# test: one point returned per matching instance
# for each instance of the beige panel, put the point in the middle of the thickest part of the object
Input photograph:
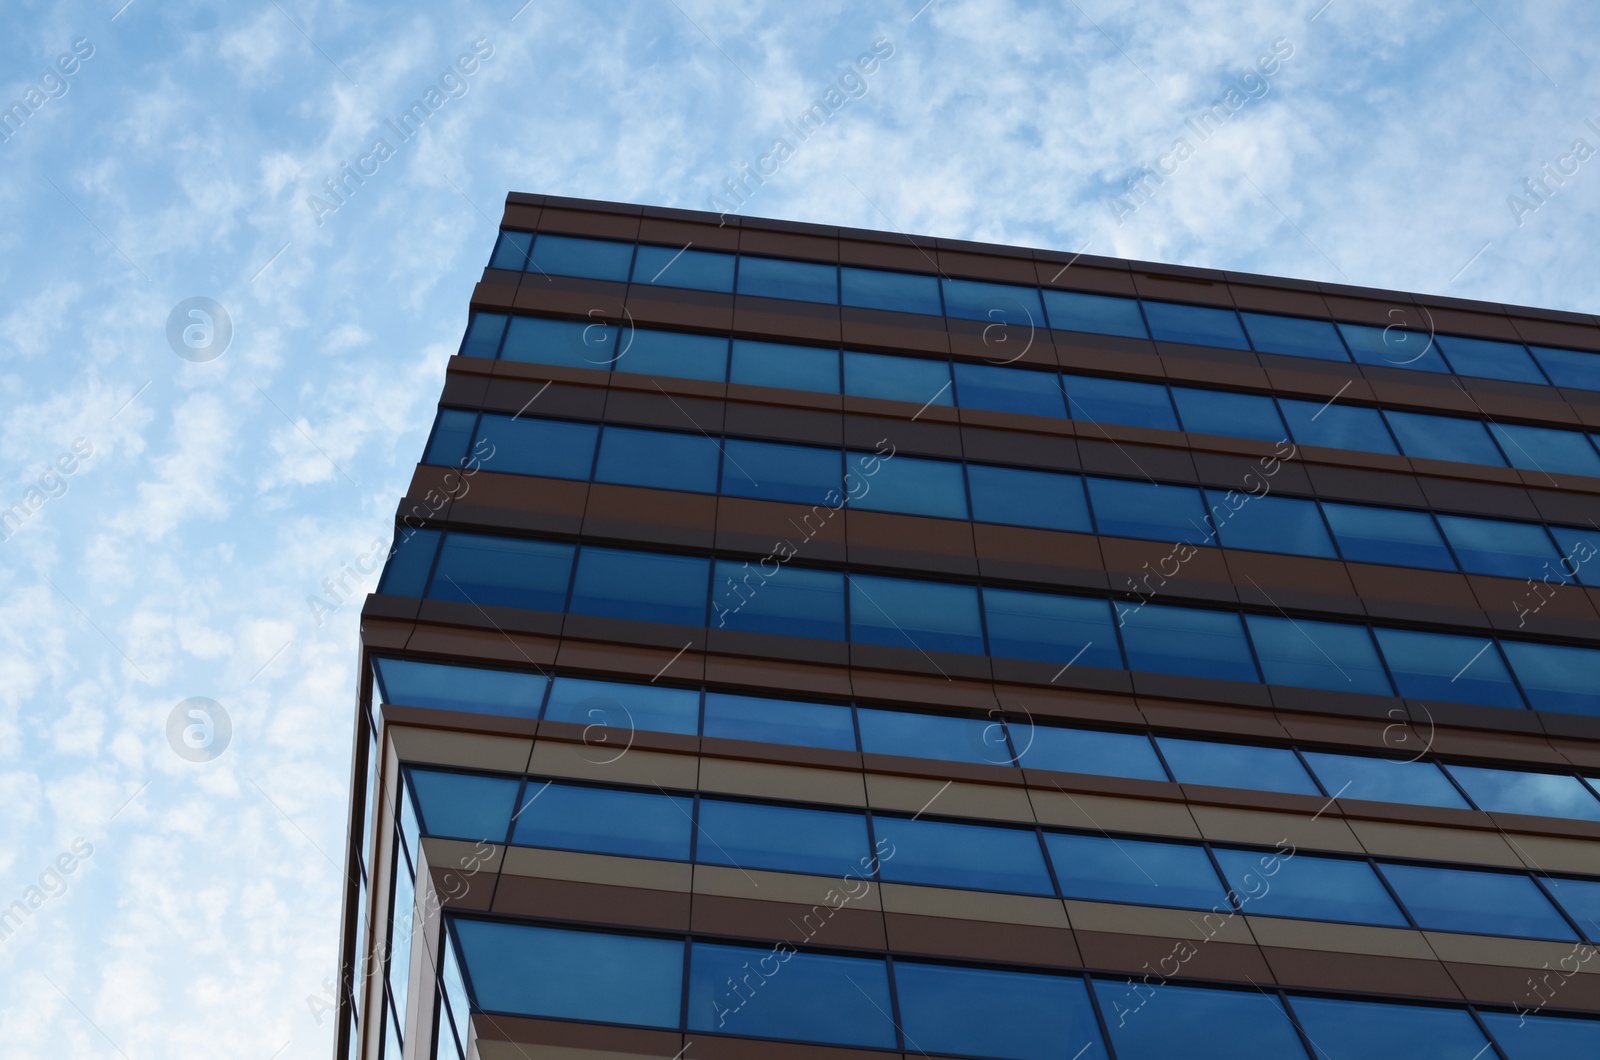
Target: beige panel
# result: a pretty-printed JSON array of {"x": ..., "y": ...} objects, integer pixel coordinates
[
  {"x": 785, "y": 887},
  {"x": 1465, "y": 846},
  {"x": 471, "y": 750},
  {"x": 607, "y": 766},
  {"x": 773, "y": 781},
  {"x": 1512, "y": 953},
  {"x": 1111, "y": 814},
  {"x": 974, "y": 905},
  {"x": 1339, "y": 938},
  {"x": 598, "y": 868},
  {"x": 1192, "y": 924},
  {"x": 1554, "y": 854},
  {"x": 458, "y": 855},
  {"x": 949, "y": 798},
  {"x": 1300, "y": 830}
]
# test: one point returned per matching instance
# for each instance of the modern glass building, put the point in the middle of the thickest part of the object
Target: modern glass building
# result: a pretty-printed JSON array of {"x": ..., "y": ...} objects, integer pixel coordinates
[{"x": 813, "y": 643}]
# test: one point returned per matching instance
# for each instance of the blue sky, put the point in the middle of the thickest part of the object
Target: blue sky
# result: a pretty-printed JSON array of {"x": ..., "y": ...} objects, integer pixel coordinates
[{"x": 178, "y": 514}]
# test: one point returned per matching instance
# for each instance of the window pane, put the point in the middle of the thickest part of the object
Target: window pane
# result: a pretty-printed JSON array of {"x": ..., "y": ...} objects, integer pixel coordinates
[
  {"x": 483, "y": 335},
  {"x": 674, "y": 353},
  {"x": 1270, "y": 524},
  {"x": 512, "y": 251},
  {"x": 583, "y": 975},
  {"x": 1294, "y": 336},
  {"x": 1130, "y": 870},
  {"x": 410, "y": 559},
  {"x": 1525, "y": 1037},
  {"x": 781, "y": 365},
  {"x": 1388, "y": 535},
  {"x": 1049, "y": 628},
  {"x": 502, "y": 571},
  {"x": 1570, "y": 368},
  {"x": 800, "y": 280},
  {"x": 1198, "y": 325},
  {"x": 593, "y": 259},
  {"x": 898, "y": 732},
  {"x": 699, "y": 270},
  {"x": 453, "y": 988},
  {"x": 982, "y": 1012},
  {"x": 1124, "y": 508},
  {"x": 731, "y": 717},
  {"x": 619, "y": 705},
  {"x": 1043, "y": 499},
  {"x": 1439, "y": 666},
  {"x": 451, "y": 438},
  {"x": 1234, "y": 765},
  {"x": 1384, "y": 780},
  {"x": 1488, "y": 359},
  {"x": 1558, "y": 678},
  {"x": 902, "y": 613},
  {"x": 976, "y": 857},
  {"x": 781, "y": 838},
  {"x": 1444, "y": 438},
  {"x": 903, "y": 292},
  {"x": 1336, "y": 426},
  {"x": 645, "y": 586},
  {"x": 1493, "y": 903},
  {"x": 1518, "y": 791},
  {"x": 1304, "y": 885},
  {"x": 1497, "y": 546},
  {"x": 1186, "y": 641},
  {"x": 568, "y": 343},
  {"x": 790, "y": 602},
  {"x": 1355, "y": 1030},
  {"x": 999, "y": 302},
  {"x": 1581, "y": 900},
  {"x": 462, "y": 806},
  {"x": 526, "y": 446},
  {"x": 773, "y": 472},
  {"x": 1393, "y": 347},
  {"x": 1119, "y": 401},
  {"x": 1105, "y": 754},
  {"x": 1101, "y": 314},
  {"x": 985, "y": 386},
  {"x": 639, "y": 824},
  {"x": 1338, "y": 656},
  {"x": 660, "y": 459},
  {"x": 815, "y": 997},
  {"x": 401, "y": 930},
  {"x": 1230, "y": 415},
  {"x": 1196, "y": 1023},
  {"x": 908, "y": 484},
  {"x": 1578, "y": 551},
  {"x": 914, "y": 379},
  {"x": 1546, "y": 449},
  {"x": 441, "y": 687}
]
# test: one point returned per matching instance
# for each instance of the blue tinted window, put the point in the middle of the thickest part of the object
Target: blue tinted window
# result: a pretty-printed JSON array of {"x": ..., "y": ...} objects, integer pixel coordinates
[
  {"x": 985, "y": 386},
  {"x": 512, "y": 251},
  {"x": 645, "y": 586},
  {"x": 999, "y": 302},
  {"x": 1556, "y": 677},
  {"x": 1231, "y": 415},
  {"x": 568, "y": 343},
  {"x": 620, "y": 705},
  {"x": 982, "y": 1012},
  {"x": 782, "y": 365},
  {"x": 452, "y": 437},
  {"x": 898, "y": 732},
  {"x": 1387, "y": 535},
  {"x": 975, "y": 857},
  {"x": 1440, "y": 666},
  {"x": 790, "y": 601},
  {"x": 1186, "y": 641},
  {"x": 1488, "y": 359},
  {"x": 1393, "y": 347},
  {"x": 900, "y": 291},
  {"x": 808, "y": 996},
  {"x": 1444, "y": 438},
  {"x": 526, "y": 446},
  {"x": 661, "y": 459},
  {"x": 441, "y": 687},
  {"x": 771, "y": 471},
  {"x": 930, "y": 616},
  {"x": 675, "y": 353},
  {"x": 1099, "y": 313},
  {"x": 401, "y": 930},
  {"x": 1356, "y": 1030},
  {"x": 1496, "y": 546},
  {"x": 1146, "y": 509},
  {"x": 800, "y": 280},
  {"x": 1196, "y": 1023},
  {"x": 1518, "y": 791},
  {"x": 1131, "y": 870},
  {"x": 1119, "y": 401},
  {"x": 1546, "y": 449},
  {"x": 1581, "y": 900},
  {"x": 410, "y": 558},
  {"x": 1105, "y": 754},
  {"x": 638, "y": 824},
  {"x": 1303, "y": 885},
  {"x": 781, "y": 838},
  {"x": 1294, "y": 336},
  {"x": 1538, "y": 1037},
  {"x": 1332, "y": 655},
  {"x": 502, "y": 571},
  {"x": 1197, "y": 325},
  {"x": 1578, "y": 551},
  {"x": 731, "y": 717},
  {"x": 909, "y": 484},
  {"x": 1028, "y": 498},
  {"x": 1049, "y": 628},
  {"x": 1385, "y": 780},
  {"x": 914, "y": 379},
  {"x": 483, "y": 335},
  {"x": 1233, "y": 765},
  {"x": 700, "y": 270},
  {"x": 1336, "y": 426},
  {"x": 453, "y": 988},
  {"x": 1491, "y": 903},
  {"x": 593, "y": 259},
  {"x": 462, "y": 806},
  {"x": 1569, "y": 368},
  {"x": 1270, "y": 524},
  {"x": 583, "y": 975}
]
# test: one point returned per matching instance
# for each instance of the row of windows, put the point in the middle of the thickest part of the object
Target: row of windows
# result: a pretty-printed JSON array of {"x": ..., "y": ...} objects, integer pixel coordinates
[
  {"x": 928, "y": 381},
  {"x": 956, "y": 1010},
  {"x": 994, "y": 739},
  {"x": 928, "y": 616},
  {"x": 1063, "y": 310},
  {"x": 1008, "y": 859},
  {"x": 1050, "y": 500}
]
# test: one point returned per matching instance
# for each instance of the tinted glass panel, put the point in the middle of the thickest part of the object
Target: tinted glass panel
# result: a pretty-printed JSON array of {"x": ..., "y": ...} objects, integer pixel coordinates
[
  {"x": 657, "y": 708},
  {"x": 776, "y": 278},
  {"x": 1384, "y": 780},
  {"x": 1131, "y": 870},
  {"x": 914, "y": 379},
  {"x": 420, "y": 684},
  {"x": 773, "y": 472},
  {"x": 911, "y": 485},
  {"x": 1578, "y": 551},
  {"x": 788, "y": 601},
  {"x": 1198, "y": 325},
  {"x": 895, "y": 732},
  {"x": 671, "y": 267},
  {"x": 1444, "y": 438},
  {"x": 502, "y": 572},
  {"x": 732, "y": 717},
  {"x": 1546, "y": 449},
  {"x": 1496, "y": 546},
  {"x": 1196, "y": 1024},
  {"x": 1393, "y": 347},
  {"x": 970, "y": 856},
  {"x": 410, "y": 559},
  {"x": 791, "y": 367},
  {"x": 645, "y": 586},
  {"x": 1357, "y": 1030},
  {"x": 1048, "y": 628},
  {"x": 1294, "y": 336},
  {"x": 984, "y": 386},
  {"x": 452, "y": 437},
  {"x": 1490, "y": 360},
  {"x": 1106, "y": 754},
  {"x": 982, "y": 1012},
  {"x": 788, "y": 995},
  {"x": 999, "y": 302},
  {"x": 525, "y": 446},
  {"x": 1123, "y": 508},
  {"x": 1336, "y": 426},
  {"x": 1525, "y": 1037},
  {"x": 462, "y": 806},
  {"x": 1572, "y": 368},
  {"x": 922, "y": 615},
  {"x": 1581, "y": 900},
  {"x": 512, "y": 251},
  {"x": 1230, "y": 765},
  {"x": 660, "y": 459},
  {"x": 1099, "y": 313},
  {"x": 1231, "y": 415},
  {"x": 603, "y": 821},
  {"x": 781, "y": 838},
  {"x": 1333, "y": 655},
  {"x": 483, "y": 335},
  {"x": 1028, "y": 498},
  {"x": 568, "y": 343},
  {"x": 1119, "y": 401},
  {"x": 673, "y": 353},
  {"x": 1270, "y": 524},
  {"x": 1489, "y": 903},
  {"x": 900, "y": 291},
  {"x": 1517, "y": 791},
  {"x": 1193, "y": 643},
  {"x": 1302, "y": 885},
  {"x": 591, "y": 258},
  {"x": 1439, "y": 666},
  {"x": 1556, "y": 677},
  {"x": 1388, "y": 535}
]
